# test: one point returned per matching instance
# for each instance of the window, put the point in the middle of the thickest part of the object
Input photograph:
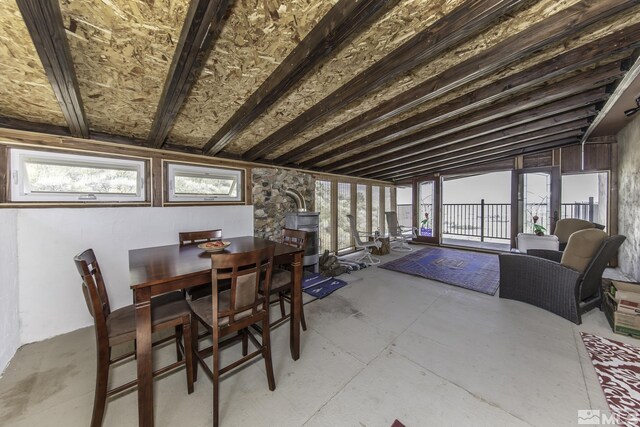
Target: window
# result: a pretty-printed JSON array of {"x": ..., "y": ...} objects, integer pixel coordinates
[
  {"x": 375, "y": 208},
  {"x": 40, "y": 176},
  {"x": 344, "y": 209},
  {"x": 404, "y": 206},
  {"x": 203, "y": 184},
  {"x": 323, "y": 206},
  {"x": 361, "y": 207}
]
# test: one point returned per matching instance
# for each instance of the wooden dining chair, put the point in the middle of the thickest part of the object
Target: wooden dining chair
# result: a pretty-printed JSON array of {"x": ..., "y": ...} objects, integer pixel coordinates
[
  {"x": 230, "y": 313},
  {"x": 169, "y": 311},
  {"x": 193, "y": 237},
  {"x": 282, "y": 280}
]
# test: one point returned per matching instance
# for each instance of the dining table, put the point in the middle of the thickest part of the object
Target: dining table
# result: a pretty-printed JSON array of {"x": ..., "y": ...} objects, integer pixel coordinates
[{"x": 157, "y": 270}]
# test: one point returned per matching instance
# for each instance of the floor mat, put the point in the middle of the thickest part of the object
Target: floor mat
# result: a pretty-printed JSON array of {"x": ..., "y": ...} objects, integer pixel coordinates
[
  {"x": 618, "y": 368},
  {"x": 471, "y": 270},
  {"x": 320, "y": 286}
]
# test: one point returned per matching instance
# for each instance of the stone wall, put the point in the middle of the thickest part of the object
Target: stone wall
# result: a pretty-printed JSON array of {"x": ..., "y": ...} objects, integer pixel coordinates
[
  {"x": 270, "y": 203},
  {"x": 629, "y": 197}
]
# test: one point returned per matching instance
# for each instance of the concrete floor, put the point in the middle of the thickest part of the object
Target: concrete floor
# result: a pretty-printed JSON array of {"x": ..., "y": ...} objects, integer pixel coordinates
[{"x": 389, "y": 346}]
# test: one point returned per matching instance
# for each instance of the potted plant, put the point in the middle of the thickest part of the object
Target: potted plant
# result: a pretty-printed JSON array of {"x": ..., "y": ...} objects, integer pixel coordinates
[{"x": 425, "y": 229}]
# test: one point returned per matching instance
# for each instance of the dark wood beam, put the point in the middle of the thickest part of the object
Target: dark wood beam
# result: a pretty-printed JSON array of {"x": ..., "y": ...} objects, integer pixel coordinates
[
  {"x": 44, "y": 22},
  {"x": 608, "y": 47},
  {"x": 481, "y": 145},
  {"x": 452, "y": 144},
  {"x": 550, "y": 93},
  {"x": 345, "y": 19},
  {"x": 549, "y": 31},
  {"x": 201, "y": 28},
  {"x": 466, "y": 21},
  {"x": 531, "y": 148}
]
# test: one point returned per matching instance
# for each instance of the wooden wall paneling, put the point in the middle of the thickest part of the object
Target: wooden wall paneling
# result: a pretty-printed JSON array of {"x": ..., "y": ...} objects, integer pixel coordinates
[
  {"x": 469, "y": 19},
  {"x": 158, "y": 178},
  {"x": 563, "y": 24},
  {"x": 46, "y": 27},
  {"x": 248, "y": 187},
  {"x": 537, "y": 160},
  {"x": 345, "y": 19},
  {"x": 597, "y": 157},
  {"x": 199, "y": 33}
]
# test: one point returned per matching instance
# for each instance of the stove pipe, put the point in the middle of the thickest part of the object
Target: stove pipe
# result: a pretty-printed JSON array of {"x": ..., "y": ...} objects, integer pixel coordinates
[{"x": 301, "y": 205}]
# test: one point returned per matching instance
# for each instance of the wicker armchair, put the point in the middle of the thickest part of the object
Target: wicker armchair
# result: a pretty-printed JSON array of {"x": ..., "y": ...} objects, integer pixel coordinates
[{"x": 539, "y": 278}]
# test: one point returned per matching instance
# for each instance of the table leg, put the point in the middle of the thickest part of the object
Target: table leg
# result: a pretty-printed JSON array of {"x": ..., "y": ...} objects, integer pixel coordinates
[
  {"x": 144, "y": 356},
  {"x": 296, "y": 295}
]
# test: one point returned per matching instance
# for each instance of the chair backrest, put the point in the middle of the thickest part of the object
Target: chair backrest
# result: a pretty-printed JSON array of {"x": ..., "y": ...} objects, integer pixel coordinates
[
  {"x": 592, "y": 280},
  {"x": 192, "y": 237},
  {"x": 295, "y": 238},
  {"x": 392, "y": 223},
  {"x": 94, "y": 290},
  {"x": 246, "y": 271},
  {"x": 567, "y": 226},
  {"x": 354, "y": 230}
]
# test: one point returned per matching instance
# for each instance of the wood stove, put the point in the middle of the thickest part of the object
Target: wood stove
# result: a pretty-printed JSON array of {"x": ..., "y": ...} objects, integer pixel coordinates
[{"x": 305, "y": 221}]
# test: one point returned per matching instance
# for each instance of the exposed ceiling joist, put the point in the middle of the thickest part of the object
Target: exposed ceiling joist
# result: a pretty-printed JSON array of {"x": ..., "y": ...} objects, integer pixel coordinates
[
  {"x": 199, "y": 33},
  {"x": 344, "y": 20},
  {"x": 608, "y": 47},
  {"x": 406, "y": 146},
  {"x": 44, "y": 22},
  {"x": 527, "y": 148},
  {"x": 451, "y": 145},
  {"x": 557, "y": 27},
  {"x": 469, "y": 19}
]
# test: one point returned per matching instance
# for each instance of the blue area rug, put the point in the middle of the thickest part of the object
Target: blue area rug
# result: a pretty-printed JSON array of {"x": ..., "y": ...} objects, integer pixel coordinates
[
  {"x": 471, "y": 270},
  {"x": 320, "y": 286}
]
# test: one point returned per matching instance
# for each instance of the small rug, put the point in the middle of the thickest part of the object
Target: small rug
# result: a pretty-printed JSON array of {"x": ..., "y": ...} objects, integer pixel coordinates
[
  {"x": 397, "y": 423},
  {"x": 618, "y": 368},
  {"x": 471, "y": 270},
  {"x": 320, "y": 286}
]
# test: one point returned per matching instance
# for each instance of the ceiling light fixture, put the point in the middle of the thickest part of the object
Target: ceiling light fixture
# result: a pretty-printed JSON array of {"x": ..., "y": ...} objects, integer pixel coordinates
[{"x": 631, "y": 111}]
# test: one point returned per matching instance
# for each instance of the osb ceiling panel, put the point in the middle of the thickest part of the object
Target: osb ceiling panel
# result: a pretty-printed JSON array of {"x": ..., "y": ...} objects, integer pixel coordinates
[
  {"x": 491, "y": 37},
  {"x": 398, "y": 25},
  {"x": 257, "y": 37},
  {"x": 122, "y": 51},
  {"x": 594, "y": 32},
  {"x": 25, "y": 92}
]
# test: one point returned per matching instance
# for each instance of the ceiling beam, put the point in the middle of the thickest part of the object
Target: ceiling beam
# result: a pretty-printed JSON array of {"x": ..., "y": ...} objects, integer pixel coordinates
[
  {"x": 452, "y": 144},
  {"x": 203, "y": 23},
  {"x": 343, "y": 20},
  {"x": 484, "y": 145},
  {"x": 466, "y": 21},
  {"x": 621, "y": 88},
  {"x": 46, "y": 27},
  {"x": 561, "y": 25},
  {"x": 403, "y": 147},
  {"x": 530, "y": 148},
  {"x": 611, "y": 46}
]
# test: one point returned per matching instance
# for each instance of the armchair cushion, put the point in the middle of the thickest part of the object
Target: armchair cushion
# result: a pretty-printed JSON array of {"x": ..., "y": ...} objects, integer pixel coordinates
[
  {"x": 567, "y": 226},
  {"x": 581, "y": 248}
]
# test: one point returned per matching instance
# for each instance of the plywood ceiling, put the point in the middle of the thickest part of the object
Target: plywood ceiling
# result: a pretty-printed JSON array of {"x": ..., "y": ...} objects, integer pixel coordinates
[{"x": 385, "y": 89}]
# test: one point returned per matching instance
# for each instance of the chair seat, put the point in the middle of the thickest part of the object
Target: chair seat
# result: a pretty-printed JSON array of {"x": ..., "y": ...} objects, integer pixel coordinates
[
  {"x": 280, "y": 280},
  {"x": 204, "y": 310},
  {"x": 121, "y": 323}
]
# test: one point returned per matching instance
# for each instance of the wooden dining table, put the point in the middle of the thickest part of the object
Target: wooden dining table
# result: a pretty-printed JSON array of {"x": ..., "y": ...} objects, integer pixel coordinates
[{"x": 158, "y": 270}]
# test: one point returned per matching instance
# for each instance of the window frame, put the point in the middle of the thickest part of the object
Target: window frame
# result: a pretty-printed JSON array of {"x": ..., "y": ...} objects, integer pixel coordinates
[
  {"x": 18, "y": 158},
  {"x": 171, "y": 168}
]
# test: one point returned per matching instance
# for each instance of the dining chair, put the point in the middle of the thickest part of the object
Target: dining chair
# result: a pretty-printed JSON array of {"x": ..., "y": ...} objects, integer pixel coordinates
[
  {"x": 193, "y": 237},
  {"x": 112, "y": 328},
  {"x": 366, "y": 246},
  {"x": 282, "y": 280},
  {"x": 233, "y": 311}
]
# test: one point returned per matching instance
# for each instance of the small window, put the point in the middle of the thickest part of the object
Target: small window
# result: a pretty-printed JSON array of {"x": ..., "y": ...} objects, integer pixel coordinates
[
  {"x": 203, "y": 184},
  {"x": 40, "y": 176}
]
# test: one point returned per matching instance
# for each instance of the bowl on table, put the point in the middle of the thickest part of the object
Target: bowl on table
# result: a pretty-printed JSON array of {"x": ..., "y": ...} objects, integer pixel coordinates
[{"x": 217, "y": 246}]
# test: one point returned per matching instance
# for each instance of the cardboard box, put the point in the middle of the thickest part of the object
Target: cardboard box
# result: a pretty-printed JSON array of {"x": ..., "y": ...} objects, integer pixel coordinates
[{"x": 619, "y": 304}]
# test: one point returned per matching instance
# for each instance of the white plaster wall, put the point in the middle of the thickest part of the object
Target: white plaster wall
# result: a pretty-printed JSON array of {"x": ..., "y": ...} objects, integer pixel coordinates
[
  {"x": 9, "y": 320},
  {"x": 629, "y": 197},
  {"x": 51, "y": 300}
]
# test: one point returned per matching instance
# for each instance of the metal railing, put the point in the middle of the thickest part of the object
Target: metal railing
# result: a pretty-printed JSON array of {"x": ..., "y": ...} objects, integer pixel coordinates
[
  {"x": 482, "y": 220},
  {"x": 582, "y": 210}
]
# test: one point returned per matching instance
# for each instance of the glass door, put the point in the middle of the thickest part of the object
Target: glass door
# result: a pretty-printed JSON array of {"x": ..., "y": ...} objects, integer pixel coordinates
[
  {"x": 537, "y": 201},
  {"x": 427, "y": 221}
]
